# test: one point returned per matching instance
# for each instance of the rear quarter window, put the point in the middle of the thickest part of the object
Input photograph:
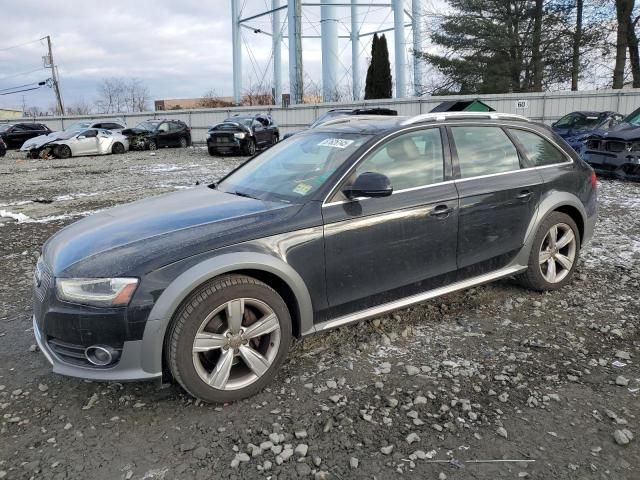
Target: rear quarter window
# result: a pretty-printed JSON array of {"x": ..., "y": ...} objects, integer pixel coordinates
[{"x": 538, "y": 149}]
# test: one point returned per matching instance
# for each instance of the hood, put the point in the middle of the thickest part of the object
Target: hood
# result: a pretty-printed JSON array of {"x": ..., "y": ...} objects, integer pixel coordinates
[
  {"x": 40, "y": 140},
  {"x": 622, "y": 131},
  {"x": 136, "y": 238},
  {"x": 135, "y": 131}
]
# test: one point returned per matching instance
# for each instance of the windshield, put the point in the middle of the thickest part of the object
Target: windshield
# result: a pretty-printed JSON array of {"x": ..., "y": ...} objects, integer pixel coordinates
[
  {"x": 242, "y": 121},
  {"x": 634, "y": 118},
  {"x": 66, "y": 135},
  {"x": 329, "y": 116},
  {"x": 293, "y": 169},
  {"x": 74, "y": 127},
  {"x": 150, "y": 126},
  {"x": 5, "y": 127}
]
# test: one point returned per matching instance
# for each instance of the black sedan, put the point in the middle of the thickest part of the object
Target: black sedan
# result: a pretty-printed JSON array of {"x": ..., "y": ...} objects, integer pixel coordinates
[
  {"x": 154, "y": 134},
  {"x": 243, "y": 134},
  {"x": 15, "y": 134}
]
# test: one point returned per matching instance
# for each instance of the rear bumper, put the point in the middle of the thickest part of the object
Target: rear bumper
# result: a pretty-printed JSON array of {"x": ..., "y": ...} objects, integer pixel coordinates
[
  {"x": 624, "y": 165},
  {"x": 128, "y": 368}
]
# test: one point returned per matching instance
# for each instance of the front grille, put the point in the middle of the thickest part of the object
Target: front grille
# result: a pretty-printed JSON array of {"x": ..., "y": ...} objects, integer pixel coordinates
[
  {"x": 223, "y": 138},
  {"x": 615, "y": 146}
]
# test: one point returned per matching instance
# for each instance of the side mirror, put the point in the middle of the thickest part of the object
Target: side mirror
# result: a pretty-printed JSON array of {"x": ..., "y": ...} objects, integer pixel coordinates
[{"x": 369, "y": 185}]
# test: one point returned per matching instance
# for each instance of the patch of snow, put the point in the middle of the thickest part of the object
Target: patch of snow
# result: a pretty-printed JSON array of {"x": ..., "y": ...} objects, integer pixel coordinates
[{"x": 19, "y": 217}]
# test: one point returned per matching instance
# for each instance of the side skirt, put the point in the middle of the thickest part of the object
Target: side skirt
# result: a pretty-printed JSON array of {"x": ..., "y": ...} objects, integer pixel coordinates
[{"x": 421, "y": 297}]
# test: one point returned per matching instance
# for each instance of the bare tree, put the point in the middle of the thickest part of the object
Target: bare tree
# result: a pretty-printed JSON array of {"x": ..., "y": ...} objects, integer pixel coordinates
[
  {"x": 118, "y": 95},
  {"x": 80, "y": 107},
  {"x": 624, "y": 9},
  {"x": 212, "y": 100},
  {"x": 257, "y": 95}
]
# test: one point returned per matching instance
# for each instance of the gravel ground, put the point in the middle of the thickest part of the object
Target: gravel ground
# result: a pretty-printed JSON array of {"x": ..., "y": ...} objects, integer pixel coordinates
[{"x": 493, "y": 382}]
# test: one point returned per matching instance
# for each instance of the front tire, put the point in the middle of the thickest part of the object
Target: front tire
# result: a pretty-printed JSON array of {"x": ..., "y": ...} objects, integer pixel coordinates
[
  {"x": 212, "y": 151},
  {"x": 554, "y": 254},
  {"x": 250, "y": 148},
  {"x": 63, "y": 151},
  {"x": 153, "y": 145},
  {"x": 228, "y": 339},
  {"x": 117, "y": 148}
]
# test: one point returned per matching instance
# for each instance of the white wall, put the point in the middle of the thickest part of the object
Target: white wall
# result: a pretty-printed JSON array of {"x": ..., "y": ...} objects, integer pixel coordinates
[{"x": 543, "y": 107}]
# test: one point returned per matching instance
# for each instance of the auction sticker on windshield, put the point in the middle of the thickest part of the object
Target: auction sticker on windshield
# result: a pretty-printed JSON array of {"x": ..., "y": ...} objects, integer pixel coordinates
[
  {"x": 302, "y": 189},
  {"x": 335, "y": 142}
]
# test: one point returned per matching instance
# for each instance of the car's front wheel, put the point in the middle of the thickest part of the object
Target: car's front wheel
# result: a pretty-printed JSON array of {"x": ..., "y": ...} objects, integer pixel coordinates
[
  {"x": 250, "y": 147},
  {"x": 228, "y": 339},
  {"x": 153, "y": 145},
  {"x": 63, "y": 151},
  {"x": 554, "y": 254},
  {"x": 212, "y": 151},
  {"x": 117, "y": 148}
]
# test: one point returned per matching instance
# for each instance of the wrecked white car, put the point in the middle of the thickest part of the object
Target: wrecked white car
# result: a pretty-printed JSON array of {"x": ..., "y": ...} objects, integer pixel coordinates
[{"x": 92, "y": 141}]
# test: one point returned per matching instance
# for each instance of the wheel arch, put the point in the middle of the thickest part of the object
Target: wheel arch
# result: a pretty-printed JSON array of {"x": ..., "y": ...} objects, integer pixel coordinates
[
  {"x": 271, "y": 270},
  {"x": 564, "y": 202}
]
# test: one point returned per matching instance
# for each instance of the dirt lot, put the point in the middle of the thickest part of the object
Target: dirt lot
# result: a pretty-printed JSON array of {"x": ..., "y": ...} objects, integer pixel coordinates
[{"x": 493, "y": 382}]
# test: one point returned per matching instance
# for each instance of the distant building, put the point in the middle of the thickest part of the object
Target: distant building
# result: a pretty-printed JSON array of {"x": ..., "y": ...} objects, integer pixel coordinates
[
  {"x": 215, "y": 102},
  {"x": 10, "y": 114}
]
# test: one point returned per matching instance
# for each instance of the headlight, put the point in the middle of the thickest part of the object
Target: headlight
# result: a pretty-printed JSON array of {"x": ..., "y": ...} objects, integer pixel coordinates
[
  {"x": 240, "y": 135},
  {"x": 99, "y": 292}
]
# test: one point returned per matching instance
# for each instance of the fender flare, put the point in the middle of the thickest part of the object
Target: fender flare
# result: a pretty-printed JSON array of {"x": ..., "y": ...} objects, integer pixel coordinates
[
  {"x": 171, "y": 298},
  {"x": 551, "y": 202}
]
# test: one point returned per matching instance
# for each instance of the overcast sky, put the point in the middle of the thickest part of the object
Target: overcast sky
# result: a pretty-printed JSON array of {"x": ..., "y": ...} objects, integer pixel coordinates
[{"x": 180, "y": 49}]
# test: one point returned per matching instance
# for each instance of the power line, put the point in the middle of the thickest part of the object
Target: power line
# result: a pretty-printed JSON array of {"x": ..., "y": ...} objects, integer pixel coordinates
[
  {"x": 21, "y": 44},
  {"x": 21, "y": 73},
  {"x": 18, "y": 86},
  {"x": 23, "y": 90}
]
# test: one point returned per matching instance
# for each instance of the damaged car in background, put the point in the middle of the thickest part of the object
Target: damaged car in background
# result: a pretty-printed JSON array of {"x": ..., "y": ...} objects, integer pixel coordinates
[
  {"x": 34, "y": 145},
  {"x": 158, "y": 133},
  {"x": 243, "y": 134},
  {"x": 576, "y": 127},
  {"x": 92, "y": 141},
  {"x": 616, "y": 152}
]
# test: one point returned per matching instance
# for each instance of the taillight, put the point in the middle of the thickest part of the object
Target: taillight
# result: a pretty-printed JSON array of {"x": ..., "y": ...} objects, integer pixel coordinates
[{"x": 594, "y": 181}]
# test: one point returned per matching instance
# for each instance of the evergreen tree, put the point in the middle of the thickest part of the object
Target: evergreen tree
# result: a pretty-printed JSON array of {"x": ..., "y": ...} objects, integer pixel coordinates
[{"x": 378, "y": 83}]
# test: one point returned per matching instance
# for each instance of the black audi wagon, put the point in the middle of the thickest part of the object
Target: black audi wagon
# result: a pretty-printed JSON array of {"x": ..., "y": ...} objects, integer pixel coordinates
[{"x": 208, "y": 286}]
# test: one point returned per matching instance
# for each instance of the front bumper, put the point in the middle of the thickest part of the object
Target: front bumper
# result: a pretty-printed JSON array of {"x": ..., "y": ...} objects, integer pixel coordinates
[
  {"x": 128, "y": 368},
  {"x": 224, "y": 144},
  {"x": 624, "y": 165}
]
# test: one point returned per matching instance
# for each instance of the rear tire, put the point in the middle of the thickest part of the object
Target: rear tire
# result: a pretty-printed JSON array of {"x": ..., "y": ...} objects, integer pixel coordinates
[
  {"x": 228, "y": 339},
  {"x": 184, "y": 143},
  {"x": 554, "y": 254},
  {"x": 117, "y": 148}
]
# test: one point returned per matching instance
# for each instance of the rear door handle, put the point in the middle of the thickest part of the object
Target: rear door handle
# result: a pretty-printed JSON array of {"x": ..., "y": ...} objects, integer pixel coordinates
[
  {"x": 441, "y": 211},
  {"x": 524, "y": 194}
]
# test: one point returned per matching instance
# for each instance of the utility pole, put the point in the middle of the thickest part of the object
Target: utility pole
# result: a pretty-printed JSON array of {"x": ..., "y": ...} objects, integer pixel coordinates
[
  {"x": 54, "y": 77},
  {"x": 294, "y": 14}
]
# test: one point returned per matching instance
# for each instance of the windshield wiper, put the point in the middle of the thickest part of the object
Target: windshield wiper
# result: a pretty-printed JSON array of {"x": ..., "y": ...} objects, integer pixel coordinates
[{"x": 244, "y": 194}]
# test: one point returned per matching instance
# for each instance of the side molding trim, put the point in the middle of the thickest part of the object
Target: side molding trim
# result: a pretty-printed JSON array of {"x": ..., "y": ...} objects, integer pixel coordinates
[{"x": 420, "y": 297}]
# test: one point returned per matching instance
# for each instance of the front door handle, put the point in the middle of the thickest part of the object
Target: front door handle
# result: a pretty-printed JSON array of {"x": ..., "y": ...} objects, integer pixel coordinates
[
  {"x": 441, "y": 211},
  {"x": 525, "y": 195}
]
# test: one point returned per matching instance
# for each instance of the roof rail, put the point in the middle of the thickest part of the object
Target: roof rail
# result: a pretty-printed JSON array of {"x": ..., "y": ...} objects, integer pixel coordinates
[{"x": 441, "y": 116}]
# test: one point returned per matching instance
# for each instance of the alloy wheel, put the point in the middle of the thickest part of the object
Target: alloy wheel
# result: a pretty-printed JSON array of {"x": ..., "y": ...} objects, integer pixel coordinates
[
  {"x": 236, "y": 344},
  {"x": 557, "y": 253}
]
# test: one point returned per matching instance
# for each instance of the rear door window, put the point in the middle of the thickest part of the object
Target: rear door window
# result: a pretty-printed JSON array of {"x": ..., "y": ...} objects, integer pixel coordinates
[
  {"x": 484, "y": 151},
  {"x": 539, "y": 150}
]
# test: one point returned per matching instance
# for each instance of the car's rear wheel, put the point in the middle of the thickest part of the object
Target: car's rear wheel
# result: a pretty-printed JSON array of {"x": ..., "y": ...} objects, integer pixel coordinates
[
  {"x": 228, "y": 339},
  {"x": 153, "y": 145},
  {"x": 250, "y": 147},
  {"x": 63, "y": 151},
  {"x": 184, "y": 143},
  {"x": 117, "y": 148},
  {"x": 554, "y": 254}
]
